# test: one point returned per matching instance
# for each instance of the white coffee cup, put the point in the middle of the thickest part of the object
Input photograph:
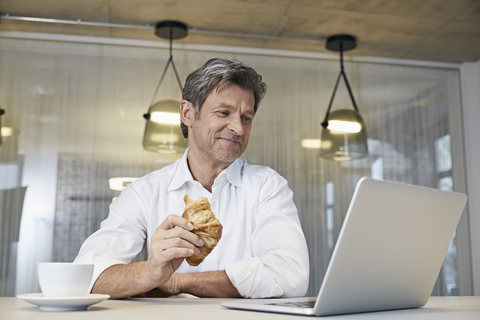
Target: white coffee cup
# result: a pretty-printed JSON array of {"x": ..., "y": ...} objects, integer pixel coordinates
[{"x": 62, "y": 279}]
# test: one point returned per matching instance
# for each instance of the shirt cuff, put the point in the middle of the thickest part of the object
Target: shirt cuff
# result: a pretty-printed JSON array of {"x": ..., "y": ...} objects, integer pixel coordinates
[{"x": 252, "y": 279}]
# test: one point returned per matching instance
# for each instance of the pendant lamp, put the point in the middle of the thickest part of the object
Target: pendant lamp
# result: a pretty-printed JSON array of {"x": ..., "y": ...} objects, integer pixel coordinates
[
  {"x": 344, "y": 136},
  {"x": 163, "y": 133}
]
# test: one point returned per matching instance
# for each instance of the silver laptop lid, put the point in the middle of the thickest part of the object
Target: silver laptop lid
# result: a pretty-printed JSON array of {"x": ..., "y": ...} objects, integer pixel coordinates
[
  {"x": 390, "y": 249},
  {"x": 388, "y": 254}
]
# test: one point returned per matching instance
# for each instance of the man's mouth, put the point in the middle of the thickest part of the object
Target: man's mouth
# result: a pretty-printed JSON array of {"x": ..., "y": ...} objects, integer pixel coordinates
[{"x": 232, "y": 141}]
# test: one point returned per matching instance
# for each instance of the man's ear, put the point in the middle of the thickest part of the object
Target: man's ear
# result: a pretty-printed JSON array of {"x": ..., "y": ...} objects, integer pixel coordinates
[{"x": 187, "y": 112}]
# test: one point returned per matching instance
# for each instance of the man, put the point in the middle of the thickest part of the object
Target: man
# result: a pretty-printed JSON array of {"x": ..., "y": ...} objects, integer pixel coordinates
[{"x": 262, "y": 252}]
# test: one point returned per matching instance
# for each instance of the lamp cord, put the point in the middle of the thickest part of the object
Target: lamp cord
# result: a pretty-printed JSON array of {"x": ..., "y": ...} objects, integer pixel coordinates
[
  {"x": 341, "y": 74},
  {"x": 325, "y": 121},
  {"x": 170, "y": 61},
  {"x": 345, "y": 78}
]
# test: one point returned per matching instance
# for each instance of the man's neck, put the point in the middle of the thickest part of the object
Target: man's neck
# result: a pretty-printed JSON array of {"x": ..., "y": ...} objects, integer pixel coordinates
[{"x": 204, "y": 171}]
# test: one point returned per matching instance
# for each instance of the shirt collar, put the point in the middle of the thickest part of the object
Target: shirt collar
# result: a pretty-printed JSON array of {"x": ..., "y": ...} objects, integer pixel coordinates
[
  {"x": 234, "y": 172},
  {"x": 182, "y": 173}
]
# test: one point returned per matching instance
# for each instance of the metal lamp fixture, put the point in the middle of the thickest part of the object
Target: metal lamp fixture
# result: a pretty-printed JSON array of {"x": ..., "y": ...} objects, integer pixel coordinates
[
  {"x": 343, "y": 135},
  {"x": 163, "y": 133},
  {"x": 1, "y": 113}
]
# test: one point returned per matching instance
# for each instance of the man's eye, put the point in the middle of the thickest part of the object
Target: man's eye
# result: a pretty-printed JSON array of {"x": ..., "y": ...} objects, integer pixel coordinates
[
  {"x": 247, "y": 119},
  {"x": 222, "y": 113}
]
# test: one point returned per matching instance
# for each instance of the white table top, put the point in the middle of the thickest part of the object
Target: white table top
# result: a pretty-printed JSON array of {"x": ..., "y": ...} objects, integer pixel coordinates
[{"x": 438, "y": 308}]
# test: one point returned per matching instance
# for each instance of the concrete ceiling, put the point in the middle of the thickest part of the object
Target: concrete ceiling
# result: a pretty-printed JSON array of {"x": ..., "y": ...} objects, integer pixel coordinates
[{"x": 433, "y": 30}]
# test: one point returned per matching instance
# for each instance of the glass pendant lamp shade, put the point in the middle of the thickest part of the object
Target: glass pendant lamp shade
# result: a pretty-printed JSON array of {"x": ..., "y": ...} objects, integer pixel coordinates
[
  {"x": 163, "y": 133},
  {"x": 344, "y": 138}
]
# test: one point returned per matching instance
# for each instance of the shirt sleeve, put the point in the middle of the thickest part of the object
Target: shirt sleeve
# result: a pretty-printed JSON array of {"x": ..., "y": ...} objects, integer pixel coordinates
[
  {"x": 120, "y": 238},
  {"x": 280, "y": 264}
]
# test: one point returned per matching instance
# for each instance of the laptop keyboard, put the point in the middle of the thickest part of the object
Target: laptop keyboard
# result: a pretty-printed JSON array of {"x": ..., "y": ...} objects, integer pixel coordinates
[{"x": 297, "y": 304}]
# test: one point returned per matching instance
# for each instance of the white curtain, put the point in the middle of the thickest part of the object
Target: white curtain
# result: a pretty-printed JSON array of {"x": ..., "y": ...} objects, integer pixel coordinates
[{"x": 84, "y": 102}]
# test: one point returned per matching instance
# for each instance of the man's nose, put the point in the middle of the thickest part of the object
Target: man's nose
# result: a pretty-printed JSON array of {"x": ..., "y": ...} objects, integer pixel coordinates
[{"x": 236, "y": 126}]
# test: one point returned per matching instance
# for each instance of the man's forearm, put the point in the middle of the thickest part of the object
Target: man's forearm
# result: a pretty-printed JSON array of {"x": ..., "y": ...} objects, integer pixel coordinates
[
  {"x": 120, "y": 281},
  {"x": 123, "y": 280},
  {"x": 213, "y": 284}
]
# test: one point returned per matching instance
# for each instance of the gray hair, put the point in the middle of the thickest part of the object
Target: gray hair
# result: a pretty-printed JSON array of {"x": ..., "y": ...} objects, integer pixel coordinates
[{"x": 213, "y": 75}]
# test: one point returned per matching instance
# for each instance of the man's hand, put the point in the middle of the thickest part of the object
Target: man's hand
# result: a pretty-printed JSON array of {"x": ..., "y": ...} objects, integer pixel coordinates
[
  {"x": 211, "y": 284},
  {"x": 172, "y": 242},
  {"x": 172, "y": 287}
]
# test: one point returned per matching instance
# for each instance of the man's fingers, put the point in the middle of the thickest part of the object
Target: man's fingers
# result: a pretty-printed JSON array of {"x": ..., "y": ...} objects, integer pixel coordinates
[
  {"x": 179, "y": 228},
  {"x": 173, "y": 221},
  {"x": 175, "y": 253},
  {"x": 175, "y": 242}
]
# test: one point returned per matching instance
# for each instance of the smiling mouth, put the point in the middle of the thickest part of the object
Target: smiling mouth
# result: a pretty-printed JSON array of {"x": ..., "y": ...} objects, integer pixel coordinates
[{"x": 230, "y": 140}]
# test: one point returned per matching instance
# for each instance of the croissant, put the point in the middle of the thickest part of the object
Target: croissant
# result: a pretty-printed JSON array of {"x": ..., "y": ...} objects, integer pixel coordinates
[{"x": 205, "y": 225}]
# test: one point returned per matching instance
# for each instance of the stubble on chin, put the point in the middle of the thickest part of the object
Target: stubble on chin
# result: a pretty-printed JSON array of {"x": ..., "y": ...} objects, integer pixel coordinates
[{"x": 229, "y": 155}]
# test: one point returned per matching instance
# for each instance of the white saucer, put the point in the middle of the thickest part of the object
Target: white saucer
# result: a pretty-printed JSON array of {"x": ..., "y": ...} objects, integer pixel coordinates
[{"x": 62, "y": 303}]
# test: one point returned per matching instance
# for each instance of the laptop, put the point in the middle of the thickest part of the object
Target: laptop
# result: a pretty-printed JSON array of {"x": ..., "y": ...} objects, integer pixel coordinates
[{"x": 388, "y": 254}]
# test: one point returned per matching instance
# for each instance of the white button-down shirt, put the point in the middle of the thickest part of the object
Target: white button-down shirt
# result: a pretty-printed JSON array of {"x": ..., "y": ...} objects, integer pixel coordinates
[{"x": 262, "y": 249}]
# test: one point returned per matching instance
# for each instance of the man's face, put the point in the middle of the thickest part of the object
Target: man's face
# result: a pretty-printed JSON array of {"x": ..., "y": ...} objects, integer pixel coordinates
[{"x": 221, "y": 130}]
